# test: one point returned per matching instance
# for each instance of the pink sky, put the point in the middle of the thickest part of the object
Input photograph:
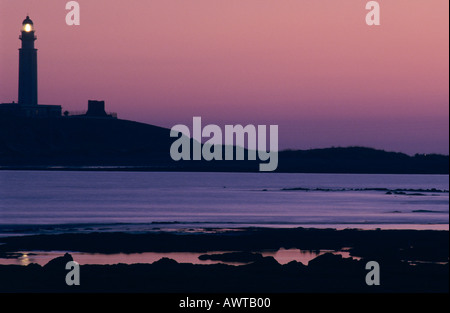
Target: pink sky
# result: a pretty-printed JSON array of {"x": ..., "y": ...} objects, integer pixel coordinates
[{"x": 312, "y": 67}]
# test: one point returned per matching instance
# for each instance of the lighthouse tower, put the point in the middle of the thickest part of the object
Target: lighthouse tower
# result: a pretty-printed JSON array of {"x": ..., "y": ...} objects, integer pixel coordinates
[
  {"x": 28, "y": 93},
  {"x": 28, "y": 65}
]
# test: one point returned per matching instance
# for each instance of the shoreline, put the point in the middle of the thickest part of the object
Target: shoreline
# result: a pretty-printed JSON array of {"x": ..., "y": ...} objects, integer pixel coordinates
[
  {"x": 173, "y": 168},
  {"x": 17, "y": 230},
  {"x": 224, "y": 239},
  {"x": 410, "y": 261}
]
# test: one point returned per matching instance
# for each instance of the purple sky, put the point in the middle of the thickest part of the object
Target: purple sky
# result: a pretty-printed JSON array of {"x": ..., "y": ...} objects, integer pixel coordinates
[{"x": 312, "y": 67}]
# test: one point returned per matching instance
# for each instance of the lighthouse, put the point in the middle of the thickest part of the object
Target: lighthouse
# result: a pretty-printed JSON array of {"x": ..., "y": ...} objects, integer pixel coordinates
[
  {"x": 28, "y": 65},
  {"x": 28, "y": 105}
]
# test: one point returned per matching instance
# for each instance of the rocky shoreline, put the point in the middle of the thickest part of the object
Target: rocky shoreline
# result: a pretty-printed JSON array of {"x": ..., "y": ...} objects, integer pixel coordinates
[{"x": 410, "y": 261}]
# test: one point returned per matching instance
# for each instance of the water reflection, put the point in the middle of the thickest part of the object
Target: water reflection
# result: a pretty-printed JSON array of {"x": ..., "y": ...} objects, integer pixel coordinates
[
  {"x": 283, "y": 256},
  {"x": 24, "y": 259}
]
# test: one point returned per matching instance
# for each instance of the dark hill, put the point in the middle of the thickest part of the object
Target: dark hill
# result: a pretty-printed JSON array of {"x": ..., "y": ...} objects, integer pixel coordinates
[
  {"x": 361, "y": 160},
  {"x": 80, "y": 141},
  {"x": 72, "y": 142}
]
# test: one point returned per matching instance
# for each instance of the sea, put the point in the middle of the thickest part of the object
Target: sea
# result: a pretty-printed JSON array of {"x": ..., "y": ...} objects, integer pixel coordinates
[{"x": 40, "y": 202}]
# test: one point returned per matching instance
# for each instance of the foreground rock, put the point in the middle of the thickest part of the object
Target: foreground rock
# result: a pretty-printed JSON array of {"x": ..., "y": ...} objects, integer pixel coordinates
[
  {"x": 326, "y": 273},
  {"x": 241, "y": 257}
]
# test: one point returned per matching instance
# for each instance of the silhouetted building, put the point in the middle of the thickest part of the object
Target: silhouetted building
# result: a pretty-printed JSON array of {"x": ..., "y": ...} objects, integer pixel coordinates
[
  {"x": 30, "y": 110},
  {"x": 28, "y": 105},
  {"x": 96, "y": 108},
  {"x": 28, "y": 92}
]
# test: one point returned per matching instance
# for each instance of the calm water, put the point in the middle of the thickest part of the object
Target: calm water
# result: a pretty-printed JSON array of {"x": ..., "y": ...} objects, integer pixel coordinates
[
  {"x": 283, "y": 256},
  {"x": 133, "y": 201}
]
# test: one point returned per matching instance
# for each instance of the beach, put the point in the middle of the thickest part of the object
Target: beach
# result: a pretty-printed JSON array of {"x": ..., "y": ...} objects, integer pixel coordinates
[
  {"x": 409, "y": 261},
  {"x": 160, "y": 232}
]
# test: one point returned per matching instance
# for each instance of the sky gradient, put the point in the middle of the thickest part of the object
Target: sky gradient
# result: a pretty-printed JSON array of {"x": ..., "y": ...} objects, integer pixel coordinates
[{"x": 312, "y": 67}]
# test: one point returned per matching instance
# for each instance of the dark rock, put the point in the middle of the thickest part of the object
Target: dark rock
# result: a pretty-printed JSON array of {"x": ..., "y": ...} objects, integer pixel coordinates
[
  {"x": 165, "y": 262},
  {"x": 58, "y": 263},
  {"x": 265, "y": 262},
  {"x": 244, "y": 257},
  {"x": 326, "y": 260}
]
